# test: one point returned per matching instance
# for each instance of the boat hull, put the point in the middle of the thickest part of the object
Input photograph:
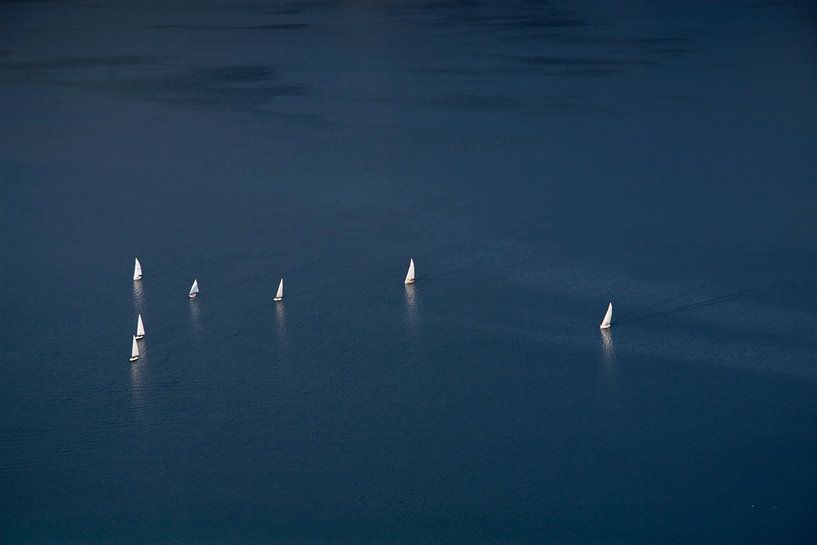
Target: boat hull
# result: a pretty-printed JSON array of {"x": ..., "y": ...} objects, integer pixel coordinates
[
  {"x": 278, "y": 299},
  {"x": 602, "y": 326},
  {"x": 140, "y": 337},
  {"x": 409, "y": 281},
  {"x": 192, "y": 296},
  {"x": 133, "y": 358}
]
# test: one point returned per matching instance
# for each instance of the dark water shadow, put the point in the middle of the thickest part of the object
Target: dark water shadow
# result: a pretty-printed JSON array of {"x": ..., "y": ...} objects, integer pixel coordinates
[
  {"x": 236, "y": 87},
  {"x": 77, "y": 62},
  {"x": 278, "y": 26}
]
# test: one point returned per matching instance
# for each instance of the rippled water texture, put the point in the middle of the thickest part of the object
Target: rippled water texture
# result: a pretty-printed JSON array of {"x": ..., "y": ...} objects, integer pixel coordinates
[{"x": 537, "y": 160}]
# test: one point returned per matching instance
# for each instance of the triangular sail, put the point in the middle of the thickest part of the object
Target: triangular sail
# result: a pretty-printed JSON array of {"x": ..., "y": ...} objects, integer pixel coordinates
[
  {"x": 608, "y": 317},
  {"x": 137, "y": 269},
  {"x": 134, "y": 351},
  {"x": 280, "y": 293},
  {"x": 410, "y": 273},
  {"x": 140, "y": 327},
  {"x": 194, "y": 289}
]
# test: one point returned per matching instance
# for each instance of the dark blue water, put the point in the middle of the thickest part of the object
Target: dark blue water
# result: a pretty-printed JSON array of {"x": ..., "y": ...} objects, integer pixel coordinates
[{"x": 536, "y": 159}]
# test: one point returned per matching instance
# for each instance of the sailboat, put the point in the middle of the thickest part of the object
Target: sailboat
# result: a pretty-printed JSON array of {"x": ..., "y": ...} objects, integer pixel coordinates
[
  {"x": 137, "y": 269},
  {"x": 194, "y": 289},
  {"x": 134, "y": 351},
  {"x": 607, "y": 317},
  {"x": 140, "y": 328},
  {"x": 280, "y": 293},
  {"x": 410, "y": 273}
]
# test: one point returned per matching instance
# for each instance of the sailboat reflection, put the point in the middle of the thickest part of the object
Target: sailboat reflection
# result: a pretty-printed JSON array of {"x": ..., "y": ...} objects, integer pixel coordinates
[
  {"x": 411, "y": 303},
  {"x": 137, "y": 372},
  {"x": 609, "y": 369},
  {"x": 195, "y": 315},
  {"x": 138, "y": 296},
  {"x": 281, "y": 321},
  {"x": 136, "y": 375},
  {"x": 608, "y": 349}
]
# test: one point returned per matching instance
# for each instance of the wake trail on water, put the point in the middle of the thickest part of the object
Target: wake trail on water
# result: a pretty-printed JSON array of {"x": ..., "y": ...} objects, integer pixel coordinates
[{"x": 708, "y": 302}]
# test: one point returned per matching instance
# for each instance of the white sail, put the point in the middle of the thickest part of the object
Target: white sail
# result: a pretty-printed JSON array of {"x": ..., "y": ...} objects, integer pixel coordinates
[
  {"x": 194, "y": 289},
  {"x": 137, "y": 269},
  {"x": 134, "y": 351},
  {"x": 410, "y": 273},
  {"x": 140, "y": 328},
  {"x": 607, "y": 317},
  {"x": 280, "y": 293}
]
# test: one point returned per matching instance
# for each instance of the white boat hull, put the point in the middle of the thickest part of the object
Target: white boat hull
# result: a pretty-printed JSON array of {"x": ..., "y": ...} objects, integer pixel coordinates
[
  {"x": 192, "y": 295},
  {"x": 604, "y": 326},
  {"x": 278, "y": 299},
  {"x": 410, "y": 281},
  {"x": 140, "y": 337},
  {"x": 133, "y": 358}
]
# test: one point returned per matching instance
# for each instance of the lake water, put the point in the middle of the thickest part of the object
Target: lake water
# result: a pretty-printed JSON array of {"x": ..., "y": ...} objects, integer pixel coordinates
[{"x": 537, "y": 160}]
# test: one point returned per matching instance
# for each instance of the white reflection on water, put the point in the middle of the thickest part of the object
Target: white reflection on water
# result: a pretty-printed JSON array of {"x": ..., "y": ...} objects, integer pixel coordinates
[
  {"x": 281, "y": 321},
  {"x": 195, "y": 315},
  {"x": 138, "y": 296},
  {"x": 609, "y": 369},
  {"x": 411, "y": 304},
  {"x": 137, "y": 373},
  {"x": 608, "y": 349}
]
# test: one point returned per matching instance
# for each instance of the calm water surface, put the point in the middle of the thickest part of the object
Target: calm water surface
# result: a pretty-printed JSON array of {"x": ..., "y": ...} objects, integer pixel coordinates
[{"x": 536, "y": 159}]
